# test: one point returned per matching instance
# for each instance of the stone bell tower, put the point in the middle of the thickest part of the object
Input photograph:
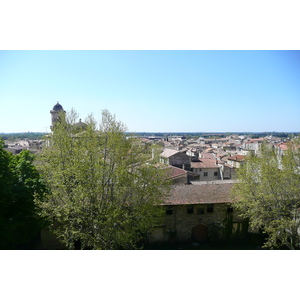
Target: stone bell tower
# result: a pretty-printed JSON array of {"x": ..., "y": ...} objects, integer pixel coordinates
[{"x": 57, "y": 108}]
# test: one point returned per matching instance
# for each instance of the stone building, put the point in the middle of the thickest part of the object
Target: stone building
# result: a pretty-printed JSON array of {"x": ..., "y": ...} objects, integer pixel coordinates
[
  {"x": 199, "y": 213},
  {"x": 206, "y": 169},
  {"x": 236, "y": 161},
  {"x": 176, "y": 158},
  {"x": 252, "y": 145},
  {"x": 177, "y": 175}
]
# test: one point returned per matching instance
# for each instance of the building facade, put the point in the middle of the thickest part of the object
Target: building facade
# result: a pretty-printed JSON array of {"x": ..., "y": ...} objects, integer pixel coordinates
[{"x": 199, "y": 213}]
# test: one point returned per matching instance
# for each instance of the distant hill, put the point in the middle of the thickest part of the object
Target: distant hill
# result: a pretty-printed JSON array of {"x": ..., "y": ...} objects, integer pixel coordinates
[
  {"x": 214, "y": 134},
  {"x": 40, "y": 135},
  {"x": 22, "y": 135}
]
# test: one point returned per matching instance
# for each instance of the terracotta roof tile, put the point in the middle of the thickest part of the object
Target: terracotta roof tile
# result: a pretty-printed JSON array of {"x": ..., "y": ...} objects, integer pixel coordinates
[
  {"x": 237, "y": 157},
  {"x": 199, "y": 194},
  {"x": 168, "y": 152},
  {"x": 175, "y": 172},
  {"x": 204, "y": 163},
  {"x": 282, "y": 146},
  {"x": 207, "y": 155}
]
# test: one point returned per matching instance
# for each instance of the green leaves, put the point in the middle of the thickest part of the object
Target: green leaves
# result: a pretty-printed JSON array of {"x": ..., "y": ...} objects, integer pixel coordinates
[
  {"x": 103, "y": 190},
  {"x": 19, "y": 183},
  {"x": 268, "y": 193}
]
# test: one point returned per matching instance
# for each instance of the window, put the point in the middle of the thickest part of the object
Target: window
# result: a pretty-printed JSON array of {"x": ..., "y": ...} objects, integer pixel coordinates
[
  {"x": 210, "y": 208},
  {"x": 200, "y": 211},
  {"x": 169, "y": 210},
  {"x": 190, "y": 209},
  {"x": 205, "y": 173},
  {"x": 215, "y": 173},
  {"x": 229, "y": 209},
  {"x": 187, "y": 166}
]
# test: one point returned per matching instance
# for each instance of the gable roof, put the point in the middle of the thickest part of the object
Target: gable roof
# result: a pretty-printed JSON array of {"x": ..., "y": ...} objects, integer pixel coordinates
[
  {"x": 174, "y": 172},
  {"x": 168, "y": 152},
  {"x": 237, "y": 157},
  {"x": 204, "y": 163},
  {"x": 199, "y": 194}
]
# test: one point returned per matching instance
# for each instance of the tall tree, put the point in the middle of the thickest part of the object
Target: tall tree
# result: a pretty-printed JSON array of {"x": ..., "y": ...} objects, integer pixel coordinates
[
  {"x": 104, "y": 190},
  {"x": 19, "y": 182},
  {"x": 268, "y": 193}
]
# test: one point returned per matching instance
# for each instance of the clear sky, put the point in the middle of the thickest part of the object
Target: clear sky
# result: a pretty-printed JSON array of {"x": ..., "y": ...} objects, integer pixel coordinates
[{"x": 154, "y": 91}]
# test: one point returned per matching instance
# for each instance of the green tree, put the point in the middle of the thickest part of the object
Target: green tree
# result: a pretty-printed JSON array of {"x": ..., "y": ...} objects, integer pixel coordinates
[
  {"x": 19, "y": 182},
  {"x": 104, "y": 192},
  {"x": 268, "y": 193}
]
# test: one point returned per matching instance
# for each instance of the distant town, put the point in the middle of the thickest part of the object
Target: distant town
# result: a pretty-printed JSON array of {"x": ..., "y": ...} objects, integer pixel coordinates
[
  {"x": 204, "y": 156},
  {"x": 201, "y": 167},
  {"x": 230, "y": 142}
]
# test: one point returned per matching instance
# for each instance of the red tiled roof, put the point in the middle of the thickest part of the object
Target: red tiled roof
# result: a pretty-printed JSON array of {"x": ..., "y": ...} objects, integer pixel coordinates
[
  {"x": 204, "y": 163},
  {"x": 237, "y": 157},
  {"x": 282, "y": 146},
  {"x": 175, "y": 172},
  {"x": 199, "y": 194}
]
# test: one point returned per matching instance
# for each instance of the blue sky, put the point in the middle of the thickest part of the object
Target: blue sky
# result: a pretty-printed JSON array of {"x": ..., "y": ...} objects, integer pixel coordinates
[{"x": 154, "y": 91}]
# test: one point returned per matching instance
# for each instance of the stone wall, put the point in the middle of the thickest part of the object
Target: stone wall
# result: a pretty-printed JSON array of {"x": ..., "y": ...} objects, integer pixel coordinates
[
  {"x": 179, "y": 160},
  {"x": 181, "y": 222},
  {"x": 226, "y": 172}
]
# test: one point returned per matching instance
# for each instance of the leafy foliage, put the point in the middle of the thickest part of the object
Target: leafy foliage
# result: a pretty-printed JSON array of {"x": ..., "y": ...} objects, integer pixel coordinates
[
  {"x": 268, "y": 193},
  {"x": 103, "y": 190},
  {"x": 19, "y": 182}
]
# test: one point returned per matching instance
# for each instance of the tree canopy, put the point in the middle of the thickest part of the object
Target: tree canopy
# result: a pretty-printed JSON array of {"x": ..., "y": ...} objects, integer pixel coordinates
[
  {"x": 19, "y": 182},
  {"x": 268, "y": 193},
  {"x": 104, "y": 191}
]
